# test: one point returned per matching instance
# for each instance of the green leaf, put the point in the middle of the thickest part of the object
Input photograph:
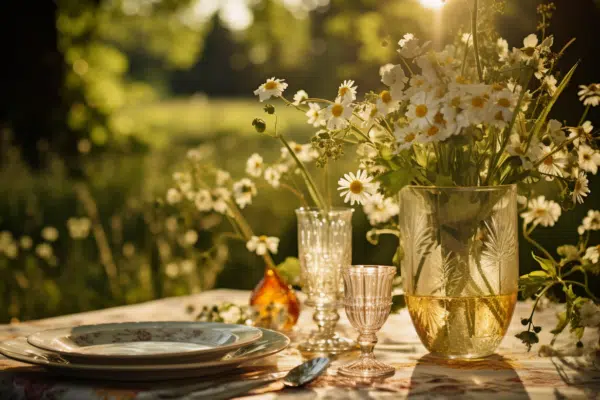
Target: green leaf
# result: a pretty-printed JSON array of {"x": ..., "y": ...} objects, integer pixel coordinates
[
  {"x": 531, "y": 283},
  {"x": 561, "y": 324},
  {"x": 443, "y": 180},
  {"x": 528, "y": 338},
  {"x": 394, "y": 181},
  {"x": 547, "y": 265},
  {"x": 290, "y": 270}
]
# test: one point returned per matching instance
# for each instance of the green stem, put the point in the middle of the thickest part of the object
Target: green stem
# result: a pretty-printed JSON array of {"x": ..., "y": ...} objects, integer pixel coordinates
[
  {"x": 476, "y": 40},
  {"x": 312, "y": 188},
  {"x": 585, "y": 113},
  {"x": 538, "y": 246}
]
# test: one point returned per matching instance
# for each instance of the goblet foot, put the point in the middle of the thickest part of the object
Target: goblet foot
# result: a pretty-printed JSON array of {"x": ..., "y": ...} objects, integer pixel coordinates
[
  {"x": 326, "y": 345},
  {"x": 366, "y": 367}
]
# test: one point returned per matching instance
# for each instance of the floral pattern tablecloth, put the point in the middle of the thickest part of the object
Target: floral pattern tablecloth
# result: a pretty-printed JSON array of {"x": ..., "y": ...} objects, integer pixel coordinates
[{"x": 512, "y": 373}]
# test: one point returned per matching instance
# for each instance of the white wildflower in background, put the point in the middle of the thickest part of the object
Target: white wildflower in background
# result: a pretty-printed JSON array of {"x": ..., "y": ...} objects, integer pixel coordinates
[
  {"x": 8, "y": 246},
  {"x": 542, "y": 212},
  {"x": 172, "y": 270},
  {"x": 592, "y": 254},
  {"x": 394, "y": 77},
  {"x": 580, "y": 133},
  {"x": 50, "y": 233},
  {"x": 271, "y": 88},
  {"x": 171, "y": 224},
  {"x": 502, "y": 47},
  {"x": 190, "y": 237},
  {"x": 338, "y": 114},
  {"x": 260, "y": 244},
  {"x": 255, "y": 165},
  {"x": 273, "y": 176},
  {"x": 467, "y": 38},
  {"x": 231, "y": 315},
  {"x": 409, "y": 46},
  {"x": 300, "y": 97},
  {"x": 79, "y": 228},
  {"x": 187, "y": 267},
  {"x": 347, "y": 92},
  {"x": 44, "y": 251},
  {"x": 549, "y": 83},
  {"x": 314, "y": 115},
  {"x": 589, "y": 159},
  {"x": 203, "y": 200},
  {"x": 590, "y": 94},
  {"x": 379, "y": 209},
  {"x": 243, "y": 191},
  {"x": 385, "y": 103},
  {"x": 305, "y": 152},
  {"x": 220, "y": 199},
  {"x": 591, "y": 222},
  {"x": 581, "y": 188},
  {"x": 222, "y": 177},
  {"x": 369, "y": 114},
  {"x": 356, "y": 188},
  {"x": 128, "y": 249},
  {"x": 84, "y": 146},
  {"x": 26, "y": 242},
  {"x": 194, "y": 155},
  {"x": 589, "y": 314},
  {"x": 502, "y": 106},
  {"x": 529, "y": 49},
  {"x": 554, "y": 129},
  {"x": 173, "y": 196}
]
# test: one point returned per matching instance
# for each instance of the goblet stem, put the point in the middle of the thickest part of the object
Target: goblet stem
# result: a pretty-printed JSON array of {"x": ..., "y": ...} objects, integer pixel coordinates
[
  {"x": 367, "y": 342},
  {"x": 326, "y": 319}
]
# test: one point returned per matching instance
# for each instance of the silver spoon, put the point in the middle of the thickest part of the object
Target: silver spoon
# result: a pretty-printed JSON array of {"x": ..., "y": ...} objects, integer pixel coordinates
[{"x": 298, "y": 376}]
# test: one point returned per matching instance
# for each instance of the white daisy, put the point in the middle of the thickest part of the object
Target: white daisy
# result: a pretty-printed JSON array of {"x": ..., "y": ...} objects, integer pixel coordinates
[
  {"x": 582, "y": 133},
  {"x": 529, "y": 47},
  {"x": 194, "y": 155},
  {"x": 315, "y": 117},
  {"x": 220, "y": 199},
  {"x": 591, "y": 222},
  {"x": 347, "y": 92},
  {"x": 555, "y": 131},
  {"x": 549, "y": 83},
  {"x": 581, "y": 188},
  {"x": 338, "y": 114},
  {"x": 385, "y": 103},
  {"x": 589, "y": 159},
  {"x": 502, "y": 48},
  {"x": 516, "y": 147},
  {"x": 261, "y": 244},
  {"x": 222, "y": 177},
  {"x": 271, "y": 88},
  {"x": 273, "y": 176},
  {"x": 356, "y": 188},
  {"x": 406, "y": 137},
  {"x": 300, "y": 97},
  {"x": 379, "y": 209},
  {"x": 421, "y": 110},
  {"x": 369, "y": 114},
  {"x": 475, "y": 103},
  {"x": 305, "y": 152},
  {"x": 501, "y": 107},
  {"x": 589, "y": 314},
  {"x": 243, "y": 191},
  {"x": 467, "y": 38},
  {"x": 50, "y": 233},
  {"x": 394, "y": 77},
  {"x": 203, "y": 200},
  {"x": 255, "y": 165},
  {"x": 173, "y": 196},
  {"x": 590, "y": 94},
  {"x": 552, "y": 164},
  {"x": 542, "y": 212},
  {"x": 409, "y": 46}
]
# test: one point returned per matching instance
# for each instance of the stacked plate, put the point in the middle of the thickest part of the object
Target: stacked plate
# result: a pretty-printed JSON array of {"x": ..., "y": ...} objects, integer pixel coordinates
[{"x": 145, "y": 350}]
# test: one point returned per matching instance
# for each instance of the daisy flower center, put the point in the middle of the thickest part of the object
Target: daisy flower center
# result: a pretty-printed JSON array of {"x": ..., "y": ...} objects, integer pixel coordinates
[
  {"x": 386, "y": 97},
  {"x": 337, "y": 110},
  {"x": 549, "y": 160},
  {"x": 504, "y": 102},
  {"x": 262, "y": 238},
  {"x": 587, "y": 157},
  {"x": 499, "y": 116},
  {"x": 433, "y": 130},
  {"x": 297, "y": 148},
  {"x": 539, "y": 212},
  {"x": 577, "y": 186},
  {"x": 439, "y": 119},
  {"x": 421, "y": 110},
  {"x": 461, "y": 79},
  {"x": 478, "y": 102},
  {"x": 455, "y": 102},
  {"x": 343, "y": 91},
  {"x": 271, "y": 85},
  {"x": 356, "y": 187},
  {"x": 410, "y": 137},
  {"x": 529, "y": 51},
  {"x": 496, "y": 87}
]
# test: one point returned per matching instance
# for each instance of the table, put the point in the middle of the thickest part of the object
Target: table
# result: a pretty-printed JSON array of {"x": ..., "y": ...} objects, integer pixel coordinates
[{"x": 513, "y": 373}]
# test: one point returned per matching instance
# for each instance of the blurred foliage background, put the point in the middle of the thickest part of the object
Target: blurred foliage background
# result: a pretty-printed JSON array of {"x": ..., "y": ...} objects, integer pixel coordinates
[{"x": 102, "y": 98}]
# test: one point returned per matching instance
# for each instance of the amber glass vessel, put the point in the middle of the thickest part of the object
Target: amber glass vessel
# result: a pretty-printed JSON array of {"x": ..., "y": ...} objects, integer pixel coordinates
[{"x": 275, "y": 301}]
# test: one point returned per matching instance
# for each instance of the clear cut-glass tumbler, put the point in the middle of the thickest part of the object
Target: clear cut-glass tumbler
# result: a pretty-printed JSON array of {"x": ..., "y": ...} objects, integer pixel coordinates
[
  {"x": 324, "y": 249},
  {"x": 368, "y": 301}
]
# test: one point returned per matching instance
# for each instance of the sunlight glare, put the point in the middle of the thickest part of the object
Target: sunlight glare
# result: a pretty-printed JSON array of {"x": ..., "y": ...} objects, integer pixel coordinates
[{"x": 433, "y": 4}]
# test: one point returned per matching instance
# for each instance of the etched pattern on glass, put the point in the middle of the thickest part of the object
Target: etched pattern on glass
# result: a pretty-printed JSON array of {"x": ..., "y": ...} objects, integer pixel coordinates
[{"x": 460, "y": 265}]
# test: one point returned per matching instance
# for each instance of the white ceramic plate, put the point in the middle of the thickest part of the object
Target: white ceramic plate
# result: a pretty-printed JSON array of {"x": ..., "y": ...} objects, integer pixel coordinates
[
  {"x": 19, "y": 349},
  {"x": 148, "y": 342}
]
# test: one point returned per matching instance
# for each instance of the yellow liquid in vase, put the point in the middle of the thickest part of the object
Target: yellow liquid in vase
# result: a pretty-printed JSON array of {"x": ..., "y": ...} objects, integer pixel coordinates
[{"x": 461, "y": 327}]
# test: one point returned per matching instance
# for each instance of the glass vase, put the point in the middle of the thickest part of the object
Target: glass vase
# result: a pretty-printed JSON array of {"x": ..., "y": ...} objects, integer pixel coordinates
[
  {"x": 324, "y": 249},
  {"x": 460, "y": 266},
  {"x": 275, "y": 302}
]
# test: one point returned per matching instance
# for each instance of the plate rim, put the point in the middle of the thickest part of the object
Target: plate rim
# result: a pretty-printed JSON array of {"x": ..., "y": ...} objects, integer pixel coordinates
[
  {"x": 33, "y": 338},
  {"x": 148, "y": 367}
]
